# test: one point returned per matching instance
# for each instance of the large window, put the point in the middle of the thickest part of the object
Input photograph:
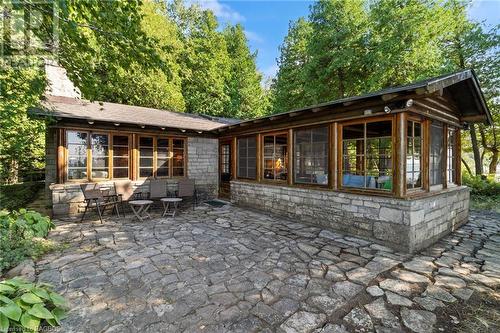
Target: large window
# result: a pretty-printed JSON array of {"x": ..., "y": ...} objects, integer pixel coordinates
[
  {"x": 178, "y": 164},
  {"x": 275, "y": 157},
  {"x": 414, "y": 155},
  {"x": 99, "y": 144},
  {"x": 436, "y": 154},
  {"x": 76, "y": 144},
  {"x": 120, "y": 156},
  {"x": 451, "y": 156},
  {"x": 161, "y": 157},
  {"x": 367, "y": 155},
  {"x": 146, "y": 156},
  {"x": 247, "y": 154},
  {"x": 311, "y": 156}
]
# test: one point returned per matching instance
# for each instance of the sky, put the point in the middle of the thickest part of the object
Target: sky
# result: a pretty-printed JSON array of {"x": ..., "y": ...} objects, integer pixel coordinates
[{"x": 266, "y": 22}]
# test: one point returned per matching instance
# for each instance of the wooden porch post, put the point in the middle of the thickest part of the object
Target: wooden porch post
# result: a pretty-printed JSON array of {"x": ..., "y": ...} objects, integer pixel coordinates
[{"x": 400, "y": 155}]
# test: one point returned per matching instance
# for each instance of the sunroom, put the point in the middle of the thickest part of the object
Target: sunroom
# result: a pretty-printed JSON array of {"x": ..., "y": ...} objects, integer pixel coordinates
[{"x": 384, "y": 166}]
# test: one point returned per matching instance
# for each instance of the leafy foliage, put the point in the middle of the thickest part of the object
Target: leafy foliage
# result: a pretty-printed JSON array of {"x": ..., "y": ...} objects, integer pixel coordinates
[
  {"x": 21, "y": 236},
  {"x": 15, "y": 196},
  {"x": 27, "y": 306}
]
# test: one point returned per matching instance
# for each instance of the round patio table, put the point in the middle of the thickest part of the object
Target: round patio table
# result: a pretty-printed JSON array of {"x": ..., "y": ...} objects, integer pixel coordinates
[
  {"x": 166, "y": 205},
  {"x": 140, "y": 208}
]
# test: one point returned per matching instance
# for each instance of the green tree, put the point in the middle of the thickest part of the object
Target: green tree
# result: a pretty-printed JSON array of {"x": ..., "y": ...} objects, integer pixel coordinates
[
  {"x": 337, "y": 50},
  {"x": 246, "y": 96},
  {"x": 205, "y": 62},
  {"x": 288, "y": 87},
  {"x": 21, "y": 138}
]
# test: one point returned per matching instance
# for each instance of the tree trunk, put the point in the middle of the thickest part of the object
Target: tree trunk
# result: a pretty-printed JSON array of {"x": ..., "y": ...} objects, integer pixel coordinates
[
  {"x": 13, "y": 172},
  {"x": 467, "y": 167},
  {"x": 493, "y": 163},
  {"x": 475, "y": 150}
]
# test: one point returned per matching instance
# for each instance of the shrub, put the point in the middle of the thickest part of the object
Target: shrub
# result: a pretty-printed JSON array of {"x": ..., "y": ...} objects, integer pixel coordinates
[
  {"x": 21, "y": 236},
  {"x": 27, "y": 306},
  {"x": 481, "y": 186},
  {"x": 16, "y": 196}
]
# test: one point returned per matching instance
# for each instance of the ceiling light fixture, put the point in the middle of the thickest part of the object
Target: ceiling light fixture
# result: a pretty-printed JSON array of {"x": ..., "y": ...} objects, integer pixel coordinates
[{"x": 387, "y": 109}]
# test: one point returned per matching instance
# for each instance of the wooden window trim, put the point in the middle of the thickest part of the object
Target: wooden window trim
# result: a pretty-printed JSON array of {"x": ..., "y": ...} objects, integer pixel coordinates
[
  {"x": 237, "y": 157},
  {"x": 419, "y": 120},
  {"x": 328, "y": 154},
  {"x": 112, "y": 155},
  {"x": 170, "y": 140},
  {"x": 288, "y": 145},
  {"x": 89, "y": 154},
  {"x": 340, "y": 187}
]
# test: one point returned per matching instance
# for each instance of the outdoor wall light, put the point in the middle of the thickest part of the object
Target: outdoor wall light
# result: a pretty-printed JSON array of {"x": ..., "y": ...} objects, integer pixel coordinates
[
  {"x": 368, "y": 111},
  {"x": 409, "y": 103},
  {"x": 91, "y": 122},
  {"x": 387, "y": 109},
  {"x": 142, "y": 126},
  {"x": 162, "y": 128},
  {"x": 199, "y": 132},
  {"x": 117, "y": 124},
  {"x": 183, "y": 130}
]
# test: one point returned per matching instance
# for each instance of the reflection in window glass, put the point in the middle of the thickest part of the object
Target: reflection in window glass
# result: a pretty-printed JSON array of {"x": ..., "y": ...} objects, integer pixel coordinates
[
  {"x": 145, "y": 157},
  {"x": 76, "y": 143},
  {"x": 451, "y": 156},
  {"x": 311, "y": 156},
  {"x": 367, "y": 155},
  {"x": 276, "y": 157},
  {"x": 120, "y": 156},
  {"x": 178, "y": 158},
  {"x": 436, "y": 154},
  {"x": 99, "y": 145},
  {"x": 414, "y": 155},
  {"x": 162, "y": 157},
  {"x": 247, "y": 154}
]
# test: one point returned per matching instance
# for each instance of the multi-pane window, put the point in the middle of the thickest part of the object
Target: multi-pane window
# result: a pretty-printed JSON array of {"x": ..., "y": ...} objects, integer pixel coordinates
[
  {"x": 414, "y": 155},
  {"x": 76, "y": 144},
  {"x": 247, "y": 155},
  {"x": 161, "y": 157},
  {"x": 436, "y": 154},
  {"x": 275, "y": 157},
  {"x": 367, "y": 155},
  {"x": 120, "y": 156},
  {"x": 225, "y": 162},
  {"x": 451, "y": 156},
  {"x": 146, "y": 156},
  {"x": 99, "y": 144},
  {"x": 178, "y": 162},
  {"x": 311, "y": 156}
]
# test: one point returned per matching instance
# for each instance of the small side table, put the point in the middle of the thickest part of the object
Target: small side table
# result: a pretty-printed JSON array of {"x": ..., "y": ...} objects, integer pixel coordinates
[
  {"x": 166, "y": 205},
  {"x": 140, "y": 208}
]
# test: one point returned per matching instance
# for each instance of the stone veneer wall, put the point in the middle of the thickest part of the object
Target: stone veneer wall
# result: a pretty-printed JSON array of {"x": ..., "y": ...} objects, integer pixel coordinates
[
  {"x": 202, "y": 156},
  {"x": 407, "y": 225}
]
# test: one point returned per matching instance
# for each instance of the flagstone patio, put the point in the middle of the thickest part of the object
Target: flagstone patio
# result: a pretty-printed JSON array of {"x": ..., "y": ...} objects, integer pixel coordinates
[{"x": 235, "y": 270}]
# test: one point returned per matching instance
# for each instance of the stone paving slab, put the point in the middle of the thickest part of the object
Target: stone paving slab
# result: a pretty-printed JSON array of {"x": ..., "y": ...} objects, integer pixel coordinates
[{"x": 235, "y": 270}]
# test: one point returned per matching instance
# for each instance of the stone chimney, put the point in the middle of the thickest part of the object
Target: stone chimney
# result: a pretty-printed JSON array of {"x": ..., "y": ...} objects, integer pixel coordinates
[{"x": 58, "y": 83}]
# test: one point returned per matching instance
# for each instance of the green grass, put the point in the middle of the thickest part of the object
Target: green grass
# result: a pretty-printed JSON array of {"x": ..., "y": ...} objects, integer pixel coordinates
[{"x": 16, "y": 196}]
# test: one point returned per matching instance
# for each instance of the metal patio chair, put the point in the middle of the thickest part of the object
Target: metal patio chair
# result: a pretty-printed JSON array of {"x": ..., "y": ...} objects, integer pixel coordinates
[
  {"x": 94, "y": 198},
  {"x": 187, "y": 189}
]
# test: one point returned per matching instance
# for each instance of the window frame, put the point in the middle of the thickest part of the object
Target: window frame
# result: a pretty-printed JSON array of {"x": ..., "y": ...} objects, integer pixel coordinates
[
  {"x": 452, "y": 159},
  {"x": 340, "y": 154},
  {"x": 91, "y": 157},
  {"x": 285, "y": 158},
  {"x": 420, "y": 121},
  {"x": 170, "y": 140},
  {"x": 87, "y": 156},
  {"x": 442, "y": 169},
  {"x": 326, "y": 126},
  {"x": 112, "y": 155},
  {"x": 246, "y": 137}
]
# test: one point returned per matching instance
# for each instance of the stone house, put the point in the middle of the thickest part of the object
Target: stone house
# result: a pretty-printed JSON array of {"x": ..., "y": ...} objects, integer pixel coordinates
[{"x": 384, "y": 166}]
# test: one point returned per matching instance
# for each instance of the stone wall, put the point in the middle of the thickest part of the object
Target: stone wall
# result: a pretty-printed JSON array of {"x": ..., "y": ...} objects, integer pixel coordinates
[
  {"x": 203, "y": 165},
  {"x": 407, "y": 225},
  {"x": 202, "y": 155}
]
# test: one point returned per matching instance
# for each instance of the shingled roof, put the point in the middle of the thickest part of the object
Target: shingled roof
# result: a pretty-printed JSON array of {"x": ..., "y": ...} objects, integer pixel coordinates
[{"x": 73, "y": 108}]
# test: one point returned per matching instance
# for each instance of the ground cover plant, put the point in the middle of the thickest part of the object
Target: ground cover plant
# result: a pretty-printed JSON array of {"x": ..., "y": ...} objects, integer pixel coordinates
[
  {"x": 27, "y": 306},
  {"x": 22, "y": 235}
]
